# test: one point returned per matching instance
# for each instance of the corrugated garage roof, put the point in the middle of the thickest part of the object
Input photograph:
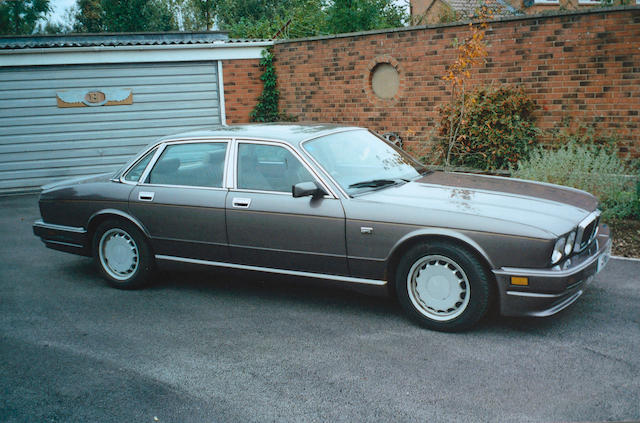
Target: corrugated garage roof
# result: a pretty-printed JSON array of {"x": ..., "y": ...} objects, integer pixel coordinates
[{"x": 118, "y": 39}]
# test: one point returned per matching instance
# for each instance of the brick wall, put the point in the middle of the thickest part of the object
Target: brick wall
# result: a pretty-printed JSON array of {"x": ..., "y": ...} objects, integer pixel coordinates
[
  {"x": 242, "y": 87},
  {"x": 578, "y": 67}
]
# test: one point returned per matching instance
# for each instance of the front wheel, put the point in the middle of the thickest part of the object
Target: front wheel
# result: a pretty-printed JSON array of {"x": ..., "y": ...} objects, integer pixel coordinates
[
  {"x": 443, "y": 286},
  {"x": 122, "y": 255}
]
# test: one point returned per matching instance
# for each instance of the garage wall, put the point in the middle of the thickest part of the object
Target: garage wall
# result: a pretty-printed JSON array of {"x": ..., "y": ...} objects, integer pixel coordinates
[{"x": 41, "y": 142}]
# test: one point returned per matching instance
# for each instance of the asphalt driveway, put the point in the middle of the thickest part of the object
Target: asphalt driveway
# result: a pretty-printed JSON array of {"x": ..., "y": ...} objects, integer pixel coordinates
[{"x": 230, "y": 346}]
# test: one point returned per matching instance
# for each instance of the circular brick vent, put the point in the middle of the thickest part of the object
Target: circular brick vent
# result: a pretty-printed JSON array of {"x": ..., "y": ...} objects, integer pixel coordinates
[{"x": 385, "y": 81}]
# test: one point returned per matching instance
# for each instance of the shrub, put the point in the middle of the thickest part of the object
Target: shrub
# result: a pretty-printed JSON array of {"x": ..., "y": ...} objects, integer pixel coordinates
[
  {"x": 590, "y": 168},
  {"x": 495, "y": 127}
]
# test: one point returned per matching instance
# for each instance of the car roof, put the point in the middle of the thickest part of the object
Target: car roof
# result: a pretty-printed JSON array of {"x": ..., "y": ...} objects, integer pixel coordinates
[{"x": 290, "y": 133}]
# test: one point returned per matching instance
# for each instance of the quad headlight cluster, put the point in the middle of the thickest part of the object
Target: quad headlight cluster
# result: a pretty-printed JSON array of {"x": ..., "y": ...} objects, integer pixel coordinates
[{"x": 564, "y": 247}]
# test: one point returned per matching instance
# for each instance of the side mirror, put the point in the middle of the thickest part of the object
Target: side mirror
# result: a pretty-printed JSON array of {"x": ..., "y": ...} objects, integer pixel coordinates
[{"x": 304, "y": 189}]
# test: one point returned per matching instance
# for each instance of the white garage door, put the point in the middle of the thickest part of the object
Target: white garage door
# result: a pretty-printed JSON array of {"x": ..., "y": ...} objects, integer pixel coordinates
[{"x": 43, "y": 139}]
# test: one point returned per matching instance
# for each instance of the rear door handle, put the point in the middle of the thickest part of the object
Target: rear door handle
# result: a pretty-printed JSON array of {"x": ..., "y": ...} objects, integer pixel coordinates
[
  {"x": 241, "y": 203},
  {"x": 145, "y": 196}
]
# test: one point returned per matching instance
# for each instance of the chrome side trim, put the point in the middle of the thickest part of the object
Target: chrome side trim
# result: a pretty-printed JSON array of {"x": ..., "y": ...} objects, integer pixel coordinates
[
  {"x": 272, "y": 270},
  {"x": 558, "y": 307},
  {"x": 67, "y": 244},
  {"x": 40, "y": 223},
  {"x": 533, "y": 294}
]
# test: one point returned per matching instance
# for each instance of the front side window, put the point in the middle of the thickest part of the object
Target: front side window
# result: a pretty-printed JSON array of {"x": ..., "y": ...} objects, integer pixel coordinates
[
  {"x": 359, "y": 161},
  {"x": 264, "y": 167},
  {"x": 192, "y": 164}
]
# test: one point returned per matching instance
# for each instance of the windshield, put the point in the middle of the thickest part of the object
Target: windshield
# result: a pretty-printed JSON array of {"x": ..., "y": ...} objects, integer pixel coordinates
[{"x": 360, "y": 161}]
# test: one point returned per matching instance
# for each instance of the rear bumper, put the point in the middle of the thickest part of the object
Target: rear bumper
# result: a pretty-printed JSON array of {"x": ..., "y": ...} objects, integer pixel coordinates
[
  {"x": 62, "y": 238},
  {"x": 552, "y": 290}
]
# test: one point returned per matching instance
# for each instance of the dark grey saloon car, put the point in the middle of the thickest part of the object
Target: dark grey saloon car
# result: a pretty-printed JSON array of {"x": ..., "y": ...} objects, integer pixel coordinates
[{"x": 337, "y": 203}]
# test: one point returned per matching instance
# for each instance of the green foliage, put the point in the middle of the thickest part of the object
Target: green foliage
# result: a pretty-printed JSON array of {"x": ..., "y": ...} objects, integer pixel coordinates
[
  {"x": 267, "y": 108},
  {"x": 88, "y": 16},
  {"x": 588, "y": 167},
  {"x": 496, "y": 127},
  {"x": 361, "y": 15},
  {"x": 242, "y": 18},
  {"x": 201, "y": 14},
  {"x": 304, "y": 18},
  {"x": 582, "y": 134},
  {"x": 298, "y": 18},
  {"x": 20, "y": 17},
  {"x": 123, "y": 16}
]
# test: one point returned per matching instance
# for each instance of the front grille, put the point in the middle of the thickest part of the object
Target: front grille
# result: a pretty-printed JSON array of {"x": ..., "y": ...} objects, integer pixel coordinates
[{"x": 589, "y": 231}]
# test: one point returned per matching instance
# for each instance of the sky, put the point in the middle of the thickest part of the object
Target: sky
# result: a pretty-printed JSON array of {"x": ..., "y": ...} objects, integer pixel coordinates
[{"x": 59, "y": 8}]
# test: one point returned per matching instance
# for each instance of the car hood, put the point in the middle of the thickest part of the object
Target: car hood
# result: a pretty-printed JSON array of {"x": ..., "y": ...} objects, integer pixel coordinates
[
  {"x": 489, "y": 203},
  {"x": 103, "y": 177}
]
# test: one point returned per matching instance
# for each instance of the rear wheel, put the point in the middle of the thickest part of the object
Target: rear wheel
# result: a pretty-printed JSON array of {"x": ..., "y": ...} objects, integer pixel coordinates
[
  {"x": 122, "y": 254},
  {"x": 443, "y": 286}
]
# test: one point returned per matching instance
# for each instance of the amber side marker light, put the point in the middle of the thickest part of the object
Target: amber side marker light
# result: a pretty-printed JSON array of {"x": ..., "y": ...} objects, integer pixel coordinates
[{"x": 519, "y": 280}]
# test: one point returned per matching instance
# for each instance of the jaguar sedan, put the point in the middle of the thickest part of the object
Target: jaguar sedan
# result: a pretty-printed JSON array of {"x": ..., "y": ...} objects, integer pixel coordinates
[{"x": 336, "y": 203}]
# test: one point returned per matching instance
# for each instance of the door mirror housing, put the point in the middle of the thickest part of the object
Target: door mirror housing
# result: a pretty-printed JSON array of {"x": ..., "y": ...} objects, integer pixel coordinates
[{"x": 304, "y": 189}]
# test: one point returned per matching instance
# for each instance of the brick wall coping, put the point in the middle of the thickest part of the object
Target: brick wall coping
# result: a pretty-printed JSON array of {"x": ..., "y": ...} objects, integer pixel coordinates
[{"x": 544, "y": 15}]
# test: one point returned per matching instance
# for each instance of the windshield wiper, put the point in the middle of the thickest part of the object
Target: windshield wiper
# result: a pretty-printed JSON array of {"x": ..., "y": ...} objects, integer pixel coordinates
[{"x": 374, "y": 183}]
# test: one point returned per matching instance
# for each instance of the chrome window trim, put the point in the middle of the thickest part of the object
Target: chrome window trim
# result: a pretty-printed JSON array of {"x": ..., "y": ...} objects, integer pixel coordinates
[
  {"x": 78, "y": 230},
  {"x": 231, "y": 165},
  {"x": 274, "y": 270},
  {"x": 257, "y": 191},
  {"x": 151, "y": 164},
  {"x": 184, "y": 186},
  {"x": 284, "y": 145},
  {"x": 161, "y": 143},
  {"x": 135, "y": 162},
  {"x": 165, "y": 144}
]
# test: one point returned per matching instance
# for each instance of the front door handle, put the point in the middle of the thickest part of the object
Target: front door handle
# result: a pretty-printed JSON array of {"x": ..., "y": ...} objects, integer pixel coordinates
[
  {"x": 241, "y": 203},
  {"x": 145, "y": 196}
]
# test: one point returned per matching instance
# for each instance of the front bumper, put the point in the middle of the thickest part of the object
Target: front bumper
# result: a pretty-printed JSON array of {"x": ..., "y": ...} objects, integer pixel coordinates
[
  {"x": 62, "y": 238},
  {"x": 552, "y": 290}
]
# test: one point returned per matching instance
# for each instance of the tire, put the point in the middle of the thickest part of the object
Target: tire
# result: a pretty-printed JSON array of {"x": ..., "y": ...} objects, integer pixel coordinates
[
  {"x": 443, "y": 286},
  {"x": 122, "y": 255}
]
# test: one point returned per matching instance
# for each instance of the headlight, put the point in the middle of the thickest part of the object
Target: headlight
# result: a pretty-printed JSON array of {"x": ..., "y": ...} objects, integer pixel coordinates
[
  {"x": 557, "y": 250},
  {"x": 568, "y": 247}
]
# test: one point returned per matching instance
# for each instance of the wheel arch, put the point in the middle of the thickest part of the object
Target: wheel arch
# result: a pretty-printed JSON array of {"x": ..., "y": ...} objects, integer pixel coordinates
[
  {"x": 426, "y": 235},
  {"x": 98, "y": 217}
]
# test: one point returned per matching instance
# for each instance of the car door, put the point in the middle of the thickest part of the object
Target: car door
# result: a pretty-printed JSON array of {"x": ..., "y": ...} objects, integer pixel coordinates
[
  {"x": 181, "y": 198},
  {"x": 267, "y": 227}
]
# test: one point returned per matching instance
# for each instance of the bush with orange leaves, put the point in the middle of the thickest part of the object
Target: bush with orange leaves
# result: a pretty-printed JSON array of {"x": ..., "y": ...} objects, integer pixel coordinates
[{"x": 488, "y": 128}]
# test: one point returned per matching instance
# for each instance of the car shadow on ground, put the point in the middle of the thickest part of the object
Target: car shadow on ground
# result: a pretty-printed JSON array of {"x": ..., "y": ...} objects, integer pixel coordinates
[{"x": 310, "y": 292}]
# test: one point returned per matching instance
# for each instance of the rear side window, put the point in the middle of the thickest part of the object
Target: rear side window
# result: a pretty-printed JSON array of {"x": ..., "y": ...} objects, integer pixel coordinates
[
  {"x": 134, "y": 174},
  {"x": 193, "y": 164}
]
